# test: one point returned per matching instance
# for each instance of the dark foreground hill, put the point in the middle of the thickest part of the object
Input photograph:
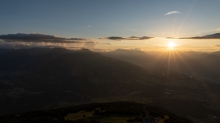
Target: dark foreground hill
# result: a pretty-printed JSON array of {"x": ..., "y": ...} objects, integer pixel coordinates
[
  {"x": 41, "y": 78},
  {"x": 114, "y": 112}
]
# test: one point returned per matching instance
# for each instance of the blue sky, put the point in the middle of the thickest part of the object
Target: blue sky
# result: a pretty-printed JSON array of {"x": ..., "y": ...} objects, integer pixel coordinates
[{"x": 103, "y": 18}]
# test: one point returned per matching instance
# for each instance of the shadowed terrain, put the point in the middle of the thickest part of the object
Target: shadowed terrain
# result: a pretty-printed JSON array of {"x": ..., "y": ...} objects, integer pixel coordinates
[
  {"x": 43, "y": 78},
  {"x": 120, "y": 112}
]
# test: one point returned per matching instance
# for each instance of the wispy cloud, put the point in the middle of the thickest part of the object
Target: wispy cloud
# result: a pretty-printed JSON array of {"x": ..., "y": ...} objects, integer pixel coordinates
[
  {"x": 117, "y": 38},
  {"x": 21, "y": 37},
  {"x": 211, "y": 36},
  {"x": 107, "y": 43},
  {"x": 21, "y": 40},
  {"x": 172, "y": 12}
]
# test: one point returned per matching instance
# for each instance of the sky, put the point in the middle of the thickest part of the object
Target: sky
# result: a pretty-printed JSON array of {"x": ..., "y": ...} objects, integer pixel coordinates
[{"x": 98, "y": 19}]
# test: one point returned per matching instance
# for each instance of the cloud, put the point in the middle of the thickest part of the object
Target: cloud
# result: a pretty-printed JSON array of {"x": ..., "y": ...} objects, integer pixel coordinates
[
  {"x": 217, "y": 45},
  {"x": 89, "y": 45},
  {"x": 107, "y": 43},
  {"x": 77, "y": 39},
  {"x": 20, "y": 40},
  {"x": 37, "y": 38},
  {"x": 21, "y": 45},
  {"x": 130, "y": 38},
  {"x": 218, "y": 29},
  {"x": 144, "y": 37},
  {"x": 138, "y": 38},
  {"x": 172, "y": 12},
  {"x": 211, "y": 36},
  {"x": 115, "y": 38},
  {"x": 133, "y": 37}
]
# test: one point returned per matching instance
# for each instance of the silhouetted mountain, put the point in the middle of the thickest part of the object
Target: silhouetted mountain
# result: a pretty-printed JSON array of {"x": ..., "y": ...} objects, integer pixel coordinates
[
  {"x": 216, "y": 53},
  {"x": 35, "y": 75},
  {"x": 43, "y": 78},
  {"x": 202, "y": 66}
]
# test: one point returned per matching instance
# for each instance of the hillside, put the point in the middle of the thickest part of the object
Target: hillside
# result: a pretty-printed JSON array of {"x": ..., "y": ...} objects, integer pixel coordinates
[
  {"x": 120, "y": 112},
  {"x": 41, "y": 78},
  {"x": 31, "y": 76},
  {"x": 202, "y": 66}
]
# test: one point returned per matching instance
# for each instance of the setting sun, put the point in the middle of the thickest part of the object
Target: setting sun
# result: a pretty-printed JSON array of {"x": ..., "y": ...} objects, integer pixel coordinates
[{"x": 171, "y": 45}]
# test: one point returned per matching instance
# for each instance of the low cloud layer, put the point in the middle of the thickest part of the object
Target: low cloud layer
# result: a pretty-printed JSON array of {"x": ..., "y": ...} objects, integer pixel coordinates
[
  {"x": 89, "y": 45},
  {"x": 172, "y": 12},
  {"x": 37, "y": 38},
  {"x": 20, "y": 40},
  {"x": 211, "y": 36},
  {"x": 130, "y": 38}
]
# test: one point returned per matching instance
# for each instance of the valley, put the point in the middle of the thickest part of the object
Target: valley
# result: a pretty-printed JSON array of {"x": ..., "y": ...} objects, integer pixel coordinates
[{"x": 80, "y": 77}]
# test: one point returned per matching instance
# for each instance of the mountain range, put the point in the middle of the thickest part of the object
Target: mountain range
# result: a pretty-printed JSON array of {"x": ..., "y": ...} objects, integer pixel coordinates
[{"x": 47, "y": 78}]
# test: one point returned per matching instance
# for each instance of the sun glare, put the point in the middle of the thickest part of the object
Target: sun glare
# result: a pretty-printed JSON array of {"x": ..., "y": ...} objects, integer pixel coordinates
[{"x": 171, "y": 45}]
